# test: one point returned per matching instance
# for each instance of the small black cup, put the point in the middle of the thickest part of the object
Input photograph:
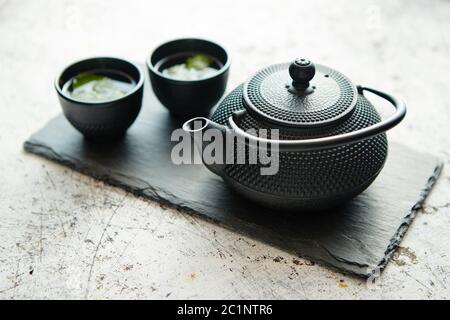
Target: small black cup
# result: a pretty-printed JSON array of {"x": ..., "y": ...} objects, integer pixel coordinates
[
  {"x": 188, "y": 98},
  {"x": 102, "y": 120}
]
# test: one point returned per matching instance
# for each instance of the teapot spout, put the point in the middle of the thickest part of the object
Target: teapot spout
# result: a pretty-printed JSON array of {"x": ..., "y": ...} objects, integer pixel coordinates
[{"x": 202, "y": 130}]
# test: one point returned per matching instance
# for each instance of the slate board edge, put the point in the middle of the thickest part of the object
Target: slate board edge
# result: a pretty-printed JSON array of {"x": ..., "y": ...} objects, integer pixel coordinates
[
  {"x": 172, "y": 201},
  {"x": 407, "y": 220}
]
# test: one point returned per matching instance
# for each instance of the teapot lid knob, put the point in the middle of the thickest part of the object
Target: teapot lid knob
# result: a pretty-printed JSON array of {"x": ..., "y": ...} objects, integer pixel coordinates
[{"x": 302, "y": 71}]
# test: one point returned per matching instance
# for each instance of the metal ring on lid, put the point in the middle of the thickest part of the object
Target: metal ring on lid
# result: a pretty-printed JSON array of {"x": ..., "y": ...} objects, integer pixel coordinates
[{"x": 332, "y": 141}]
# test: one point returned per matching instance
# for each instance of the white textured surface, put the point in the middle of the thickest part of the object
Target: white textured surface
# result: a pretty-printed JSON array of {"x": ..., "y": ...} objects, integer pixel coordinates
[{"x": 64, "y": 235}]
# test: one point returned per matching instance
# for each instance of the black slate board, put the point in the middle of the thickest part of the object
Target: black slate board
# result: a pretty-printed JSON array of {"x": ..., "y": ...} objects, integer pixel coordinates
[{"x": 358, "y": 238}]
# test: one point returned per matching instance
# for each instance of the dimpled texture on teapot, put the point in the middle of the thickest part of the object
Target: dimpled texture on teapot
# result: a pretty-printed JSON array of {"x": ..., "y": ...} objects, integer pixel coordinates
[
  {"x": 333, "y": 98},
  {"x": 311, "y": 104},
  {"x": 312, "y": 175}
]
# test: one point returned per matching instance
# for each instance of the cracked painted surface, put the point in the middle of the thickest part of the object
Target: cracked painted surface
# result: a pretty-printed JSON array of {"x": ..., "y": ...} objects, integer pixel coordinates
[{"x": 63, "y": 235}]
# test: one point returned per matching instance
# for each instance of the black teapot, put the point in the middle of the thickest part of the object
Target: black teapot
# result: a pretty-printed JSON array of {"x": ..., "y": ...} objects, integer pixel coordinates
[{"x": 330, "y": 141}]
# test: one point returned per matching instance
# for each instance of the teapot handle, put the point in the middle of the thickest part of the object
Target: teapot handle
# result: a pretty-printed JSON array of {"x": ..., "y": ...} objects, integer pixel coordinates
[{"x": 334, "y": 141}]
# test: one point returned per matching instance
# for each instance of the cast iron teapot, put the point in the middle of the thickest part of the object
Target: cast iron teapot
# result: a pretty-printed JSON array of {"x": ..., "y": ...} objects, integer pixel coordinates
[{"x": 331, "y": 141}]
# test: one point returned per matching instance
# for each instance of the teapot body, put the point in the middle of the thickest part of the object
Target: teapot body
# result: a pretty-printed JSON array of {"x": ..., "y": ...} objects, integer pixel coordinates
[
  {"x": 324, "y": 139},
  {"x": 309, "y": 180}
]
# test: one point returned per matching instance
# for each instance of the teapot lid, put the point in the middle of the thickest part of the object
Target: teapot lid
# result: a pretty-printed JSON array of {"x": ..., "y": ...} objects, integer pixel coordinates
[{"x": 300, "y": 94}]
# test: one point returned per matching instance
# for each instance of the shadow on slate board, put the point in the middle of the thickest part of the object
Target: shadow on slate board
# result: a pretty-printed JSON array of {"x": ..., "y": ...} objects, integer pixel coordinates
[{"x": 357, "y": 238}]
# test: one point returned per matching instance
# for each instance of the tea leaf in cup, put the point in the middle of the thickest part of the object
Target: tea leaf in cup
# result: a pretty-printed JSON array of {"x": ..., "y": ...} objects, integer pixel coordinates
[
  {"x": 198, "y": 61},
  {"x": 84, "y": 78}
]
